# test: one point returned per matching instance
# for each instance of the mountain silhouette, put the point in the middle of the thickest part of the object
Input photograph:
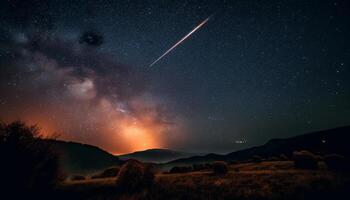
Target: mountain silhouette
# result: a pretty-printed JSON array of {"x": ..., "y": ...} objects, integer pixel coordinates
[
  {"x": 77, "y": 158},
  {"x": 157, "y": 155},
  {"x": 321, "y": 142}
]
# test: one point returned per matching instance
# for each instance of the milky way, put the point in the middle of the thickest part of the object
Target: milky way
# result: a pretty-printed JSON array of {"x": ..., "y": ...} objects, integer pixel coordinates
[
  {"x": 82, "y": 94},
  {"x": 261, "y": 70}
]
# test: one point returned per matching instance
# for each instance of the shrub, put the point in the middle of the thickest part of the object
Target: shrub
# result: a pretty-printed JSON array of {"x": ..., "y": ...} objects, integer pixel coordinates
[
  {"x": 180, "y": 169},
  {"x": 148, "y": 174},
  {"x": 284, "y": 157},
  {"x": 304, "y": 160},
  {"x": 273, "y": 158},
  {"x": 175, "y": 169},
  {"x": 110, "y": 172},
  {"x": 134, "y": 176},
  {"x": 208, "y": 165},
  {"x": 257, "y": 159},
  {"x": 318, "y": 158},
  {"x": 198, "y": 167},
  {"x": 29, "y": 163},
  {"x": 234, "y": 162},
  {"x": 220, "y": 167},
  {"x": 78, "y": 178},
  {"x": 337, "y": 162}
]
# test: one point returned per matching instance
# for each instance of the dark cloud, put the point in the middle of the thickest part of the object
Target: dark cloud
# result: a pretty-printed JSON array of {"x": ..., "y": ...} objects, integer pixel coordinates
[
  {"x": 85, "y": 94},
  {"x": 85, "y": 62}
]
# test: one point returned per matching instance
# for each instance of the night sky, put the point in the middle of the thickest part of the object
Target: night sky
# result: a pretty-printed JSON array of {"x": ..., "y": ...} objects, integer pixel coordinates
[{"x": 256, "y": 70}]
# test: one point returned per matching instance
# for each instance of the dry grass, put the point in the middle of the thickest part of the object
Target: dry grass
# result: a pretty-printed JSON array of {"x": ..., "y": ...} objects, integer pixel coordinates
[
  {"x": 267, "y": 165},
  {"x": 260, "y": 184},
  {"x": 266, "y": 180}
]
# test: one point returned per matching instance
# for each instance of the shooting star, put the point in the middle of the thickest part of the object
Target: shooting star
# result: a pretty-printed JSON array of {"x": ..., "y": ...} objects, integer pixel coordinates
[{"x": 180, "y": 41}]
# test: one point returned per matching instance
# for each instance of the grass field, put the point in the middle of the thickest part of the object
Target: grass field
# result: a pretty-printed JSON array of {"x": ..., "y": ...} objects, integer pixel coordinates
[{"x": 266, "y": 180}]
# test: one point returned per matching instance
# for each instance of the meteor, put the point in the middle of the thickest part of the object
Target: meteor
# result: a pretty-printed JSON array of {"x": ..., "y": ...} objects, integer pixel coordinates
[{"x": 180, "y": 41}]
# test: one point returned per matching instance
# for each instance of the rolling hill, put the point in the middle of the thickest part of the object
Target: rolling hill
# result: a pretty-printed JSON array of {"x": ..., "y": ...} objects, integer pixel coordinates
[
  {"x": 321, "y": 142},
  {"x": 77, "y": 158},
  {"x": 156, "y": 155}
]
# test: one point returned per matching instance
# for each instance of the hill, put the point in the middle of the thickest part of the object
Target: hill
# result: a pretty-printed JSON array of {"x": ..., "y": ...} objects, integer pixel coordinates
[
  {"x": 156, "y": 155},
  {"x": 77, "y": 158},
  {"x": 320, "y": 142}
]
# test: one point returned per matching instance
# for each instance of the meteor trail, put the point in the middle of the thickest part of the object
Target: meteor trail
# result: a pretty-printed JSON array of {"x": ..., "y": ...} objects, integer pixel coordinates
[{"x": 180, "y": 41}]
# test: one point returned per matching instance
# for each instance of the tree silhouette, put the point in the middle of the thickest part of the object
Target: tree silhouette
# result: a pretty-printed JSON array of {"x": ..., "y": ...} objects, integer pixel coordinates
[{"x": 29, "y": 165}]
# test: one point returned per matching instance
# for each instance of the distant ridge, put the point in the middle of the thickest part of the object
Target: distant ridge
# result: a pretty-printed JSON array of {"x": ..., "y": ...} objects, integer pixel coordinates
[
  {"x": 77, "y": 158},
  {"x": 156, "y": 155},
  {"x": 323, "y": 142}
]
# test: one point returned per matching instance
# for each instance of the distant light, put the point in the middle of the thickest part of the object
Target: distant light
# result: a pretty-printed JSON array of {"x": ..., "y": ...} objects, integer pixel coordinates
[
  {"x": 241, "y": 141},
  {"x": 323, "y": 141}
]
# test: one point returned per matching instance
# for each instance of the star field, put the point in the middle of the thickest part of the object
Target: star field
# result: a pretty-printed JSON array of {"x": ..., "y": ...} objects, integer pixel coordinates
[{"x": 257, "y": 70}]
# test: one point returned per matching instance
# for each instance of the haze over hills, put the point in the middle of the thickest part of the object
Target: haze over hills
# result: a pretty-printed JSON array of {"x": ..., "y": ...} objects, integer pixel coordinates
[
  {"x": 157, "y": 155},
  {"x": 84, "y": 159},
  {"x": 321, "y": 142}
]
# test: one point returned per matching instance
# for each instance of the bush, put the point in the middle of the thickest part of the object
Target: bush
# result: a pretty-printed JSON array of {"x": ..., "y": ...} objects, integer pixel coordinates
[
  {"x": 337, "y": 162},
  {"x": 220, "y": 167},
  {"x": 29, "y": 163},
  {"x": 180, "y": 169},
  {"x": 134, "y": 176},
  {"x": 198, "y": 167},
  {"x": 208, "y": 165},
  {"x": 284, "y": 157},
  {"x": 273, "y": 158},
  {"x": 318, "y": 158},
  {"x": 77, "y": 178},
  {"x": 304, "y": 160},
  {"x": 110, "y": 172},
  {"x": 148, "y": 174},
  {"x": 257, "y": 159},
  {"x": 234, "y": 162}
]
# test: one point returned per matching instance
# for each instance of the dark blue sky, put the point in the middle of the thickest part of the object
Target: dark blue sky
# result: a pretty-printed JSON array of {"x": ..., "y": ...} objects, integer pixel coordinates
[{"x": 257, "y": 70}]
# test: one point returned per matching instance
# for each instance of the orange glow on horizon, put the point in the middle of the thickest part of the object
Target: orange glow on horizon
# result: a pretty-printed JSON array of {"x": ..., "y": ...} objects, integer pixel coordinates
[
  {"x": 115, "y": 131},
  {"x": 138, "y": 138},
  {"x": 138, "y": 135}
]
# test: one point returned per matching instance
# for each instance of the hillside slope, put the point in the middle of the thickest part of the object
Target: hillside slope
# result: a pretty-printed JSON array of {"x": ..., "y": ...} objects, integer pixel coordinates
[
  {"x": 321, "y": 142},
  {"x": 77, "y": 158},
  {"x": 156, "y": 155}
]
